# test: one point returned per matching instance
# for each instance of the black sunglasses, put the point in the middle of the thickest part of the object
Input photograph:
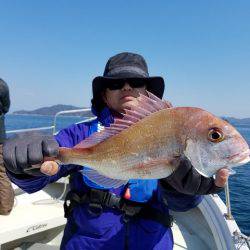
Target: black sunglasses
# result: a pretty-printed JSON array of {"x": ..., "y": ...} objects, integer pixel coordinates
[{"x": 116, "y": 84}]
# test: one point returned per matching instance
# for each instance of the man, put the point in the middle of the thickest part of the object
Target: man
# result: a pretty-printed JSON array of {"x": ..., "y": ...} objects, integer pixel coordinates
[
  {"x": 6, "y": 190},
  {"x": 132, "y": 216}
]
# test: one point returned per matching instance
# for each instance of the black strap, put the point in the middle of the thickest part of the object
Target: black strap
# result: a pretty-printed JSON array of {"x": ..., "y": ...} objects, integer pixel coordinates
[
  {"x": 151, "y": 213},
  {"x": 72, "y": 199},
  {"x": 99, "y": 199}
]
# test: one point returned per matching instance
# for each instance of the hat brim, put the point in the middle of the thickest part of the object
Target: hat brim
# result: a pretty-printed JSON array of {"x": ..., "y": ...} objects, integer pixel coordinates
[{"x": 155, "y": 84}]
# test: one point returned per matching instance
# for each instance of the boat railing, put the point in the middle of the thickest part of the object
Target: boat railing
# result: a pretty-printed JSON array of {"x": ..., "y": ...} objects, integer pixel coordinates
[
  {"x": 72, "y": 111},
  {"x": 54, "y": 126},
  {"x": 17, "y": 131}
]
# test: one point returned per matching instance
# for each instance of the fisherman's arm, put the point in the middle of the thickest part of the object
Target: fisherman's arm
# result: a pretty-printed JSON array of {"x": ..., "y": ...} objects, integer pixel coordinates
[
  {"x": 21, "y": 153},
  {"x": 183, "y": 189}
]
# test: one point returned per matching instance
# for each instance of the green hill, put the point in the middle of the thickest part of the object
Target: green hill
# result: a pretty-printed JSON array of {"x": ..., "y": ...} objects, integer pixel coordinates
[{"x": 52, "y": 110}]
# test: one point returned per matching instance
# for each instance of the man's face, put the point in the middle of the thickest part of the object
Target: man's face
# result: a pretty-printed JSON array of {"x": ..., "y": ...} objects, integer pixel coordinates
[{"x": 117, "y": 96}]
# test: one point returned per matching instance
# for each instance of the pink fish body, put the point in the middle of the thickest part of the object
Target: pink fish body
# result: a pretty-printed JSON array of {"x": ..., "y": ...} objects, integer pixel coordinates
[{"x": 147, "y": 141}]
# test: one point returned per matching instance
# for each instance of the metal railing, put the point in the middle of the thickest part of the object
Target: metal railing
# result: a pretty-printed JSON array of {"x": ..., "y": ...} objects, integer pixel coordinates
[
  {"x": 28, "y": 130},
  {"x": 72, "y": 111},
  {"x": 54, "y": 126}
]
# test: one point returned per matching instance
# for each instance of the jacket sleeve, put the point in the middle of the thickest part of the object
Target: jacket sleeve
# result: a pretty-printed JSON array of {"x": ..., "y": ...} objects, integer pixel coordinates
[
  {"x": 180, "y": 202},
  {"x": 183, "y": 189},
  {"x": 186, "y": 179},
  {"x": 68, "y": 138}
]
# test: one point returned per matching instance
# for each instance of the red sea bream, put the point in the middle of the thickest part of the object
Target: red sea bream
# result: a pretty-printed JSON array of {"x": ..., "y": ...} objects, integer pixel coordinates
[{"x": 147, "y": 141}]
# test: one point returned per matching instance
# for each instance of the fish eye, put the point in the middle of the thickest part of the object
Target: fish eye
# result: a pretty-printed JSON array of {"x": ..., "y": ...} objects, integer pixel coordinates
[{"x": 215, "y": 135}]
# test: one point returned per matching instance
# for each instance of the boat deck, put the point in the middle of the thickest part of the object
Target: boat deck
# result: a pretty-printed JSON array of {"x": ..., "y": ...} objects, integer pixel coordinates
[
  {"x": 37, "y": 219},
  {"x": 191, "y": 231}
]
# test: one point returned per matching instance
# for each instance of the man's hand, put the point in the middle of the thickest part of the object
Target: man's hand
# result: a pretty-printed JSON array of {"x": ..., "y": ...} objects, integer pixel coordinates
[
  {"x": 49, "y": 168},
  {"x": 221, "y": 177},
  {"x": 25, "y": 153}
]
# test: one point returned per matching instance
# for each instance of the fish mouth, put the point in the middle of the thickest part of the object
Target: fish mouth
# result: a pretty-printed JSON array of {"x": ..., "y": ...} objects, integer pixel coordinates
[{"x": 240, "y": 158}]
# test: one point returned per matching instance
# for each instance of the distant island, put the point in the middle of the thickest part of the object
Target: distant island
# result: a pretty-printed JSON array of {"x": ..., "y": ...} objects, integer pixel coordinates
[
  {"x": 237, "y": 121},
  {"x": 52, "y": 110}
]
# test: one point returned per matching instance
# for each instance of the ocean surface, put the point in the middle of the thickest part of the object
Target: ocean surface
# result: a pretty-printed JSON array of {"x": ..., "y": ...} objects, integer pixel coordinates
[{"x": 239, "y": 183}]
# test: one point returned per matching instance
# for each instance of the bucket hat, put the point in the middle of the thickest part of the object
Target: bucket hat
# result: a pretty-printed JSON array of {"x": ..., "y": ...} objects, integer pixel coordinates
[{"x": 128, "y": 65}]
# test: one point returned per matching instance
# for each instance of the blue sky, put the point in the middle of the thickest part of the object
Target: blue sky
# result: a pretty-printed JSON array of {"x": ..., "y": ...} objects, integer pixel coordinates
[{"x": 51, "y": 50}]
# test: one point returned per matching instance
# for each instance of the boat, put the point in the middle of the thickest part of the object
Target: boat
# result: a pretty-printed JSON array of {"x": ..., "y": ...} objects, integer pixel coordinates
[{"x": 37, "y": 220}]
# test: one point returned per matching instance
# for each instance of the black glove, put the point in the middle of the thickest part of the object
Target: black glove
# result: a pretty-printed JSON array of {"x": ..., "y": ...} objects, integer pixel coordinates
[
  {"x": 4, "y": 97},
  {"x": 22, "y": 152},
  {"x": 187, "y": 180}
]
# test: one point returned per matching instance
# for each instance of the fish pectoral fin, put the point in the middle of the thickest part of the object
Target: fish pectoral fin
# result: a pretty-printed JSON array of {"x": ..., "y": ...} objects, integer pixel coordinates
[
  {"x": 102, "y": 180},
  {"x": 156, "y": 168}
]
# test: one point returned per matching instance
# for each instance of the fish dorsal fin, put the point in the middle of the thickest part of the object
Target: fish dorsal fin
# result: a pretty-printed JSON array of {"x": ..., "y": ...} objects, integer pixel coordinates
[{"x": 144, "y": 106}]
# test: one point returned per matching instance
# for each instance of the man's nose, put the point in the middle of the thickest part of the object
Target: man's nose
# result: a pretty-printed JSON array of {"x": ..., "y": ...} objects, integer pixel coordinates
[{"x": 126, "y": 86}]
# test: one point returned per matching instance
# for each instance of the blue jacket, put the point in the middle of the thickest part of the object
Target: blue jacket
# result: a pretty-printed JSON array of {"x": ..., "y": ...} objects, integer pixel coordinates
[{"x": 108, "y": 231}]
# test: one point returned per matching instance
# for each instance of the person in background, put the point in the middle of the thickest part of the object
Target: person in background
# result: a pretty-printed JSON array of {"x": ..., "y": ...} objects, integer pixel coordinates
[
  {"x": 132, "y": 216},
  {"x": 6, "y": 190}
]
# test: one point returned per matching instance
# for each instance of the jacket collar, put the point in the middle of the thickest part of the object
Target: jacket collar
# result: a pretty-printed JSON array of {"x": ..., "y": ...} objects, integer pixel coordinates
[{"x": 106, "y": 116}]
